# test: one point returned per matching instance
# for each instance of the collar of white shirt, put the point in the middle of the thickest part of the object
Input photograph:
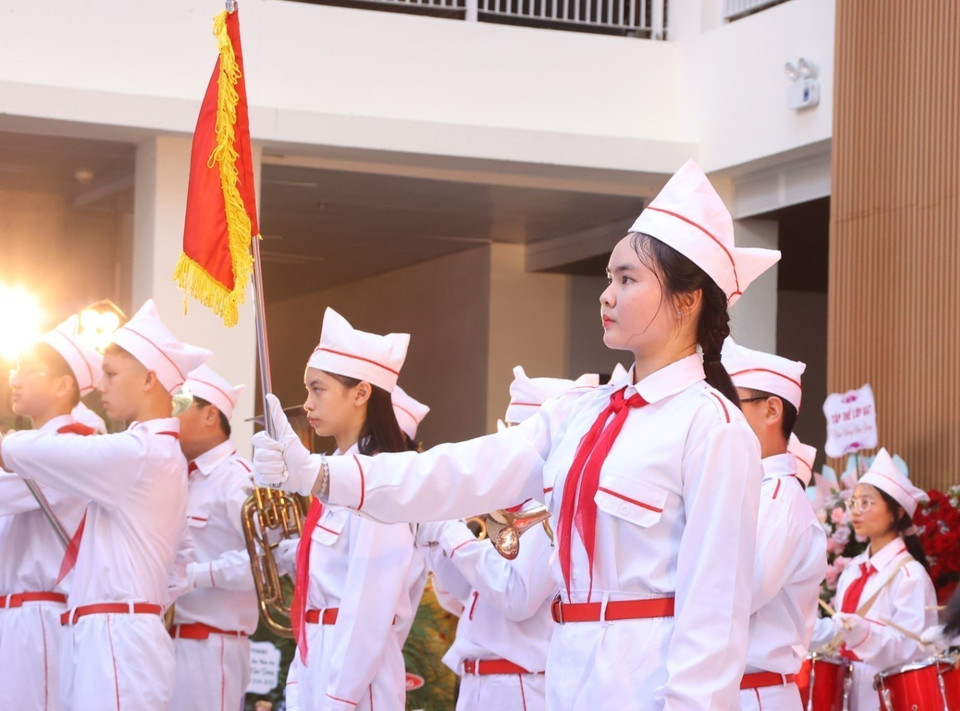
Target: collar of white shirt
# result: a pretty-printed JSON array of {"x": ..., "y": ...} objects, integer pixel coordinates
[
  {"x": 669, "y": 380},
  {"x": 779, "y": 465},
  {"x": 214, "y": 457},
  {"x": 55, "y": 424},
  {"x": 888, "y": 553}
]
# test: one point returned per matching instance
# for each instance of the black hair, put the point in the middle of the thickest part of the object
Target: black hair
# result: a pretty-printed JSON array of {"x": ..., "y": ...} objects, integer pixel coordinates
[
  {"x": 58, "y": 368},
  {"x": 381, "y": 432},
  {"x": 224, "y": 422},
  {"x": 952, "y": 625},
  {"x": 902, "y": 522},
  {"x": 679, "y": 275},
  {"x": 788, "y": 419}
]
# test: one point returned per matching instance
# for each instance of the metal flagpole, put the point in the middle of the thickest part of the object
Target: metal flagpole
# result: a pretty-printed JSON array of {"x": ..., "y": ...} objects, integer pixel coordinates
[{"x": 48, "y": 512}]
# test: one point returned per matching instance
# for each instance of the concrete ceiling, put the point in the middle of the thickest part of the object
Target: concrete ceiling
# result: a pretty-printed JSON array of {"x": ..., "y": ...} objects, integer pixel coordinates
[
  {"x": 323, "y": 227},
  {"x": 93, "y": 174}
]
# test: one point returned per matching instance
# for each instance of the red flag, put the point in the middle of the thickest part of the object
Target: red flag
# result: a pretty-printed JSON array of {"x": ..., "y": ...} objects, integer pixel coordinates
[{"x": 221, "y": 219}]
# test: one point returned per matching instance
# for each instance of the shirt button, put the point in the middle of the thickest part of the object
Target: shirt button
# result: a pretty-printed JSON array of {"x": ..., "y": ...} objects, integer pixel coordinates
[{"x": 623, "y": 508}]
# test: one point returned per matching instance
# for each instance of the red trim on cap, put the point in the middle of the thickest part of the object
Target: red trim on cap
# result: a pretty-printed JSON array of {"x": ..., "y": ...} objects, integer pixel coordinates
[
  {"x": 895, "y": 483},
  {"x": 159, "y": 350},
  {"x": 407, "y": 412},
  {"x": 82, "y": 358},
  {"x": 765, "y": 370},
  {"x": 808, "y": 465},
  {"x": 705, "y": 231},
  {"x": 356, "y": 357},
  {"x": 219, "y": 390}
]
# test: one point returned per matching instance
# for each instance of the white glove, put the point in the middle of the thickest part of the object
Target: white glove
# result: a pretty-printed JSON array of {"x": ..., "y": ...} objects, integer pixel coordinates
[
  {"x": 934, "y": 638},
  {"x": 183, "y": 582},
  {"x": 283, "y": 462},
  {"x": 852, "y": 628}
]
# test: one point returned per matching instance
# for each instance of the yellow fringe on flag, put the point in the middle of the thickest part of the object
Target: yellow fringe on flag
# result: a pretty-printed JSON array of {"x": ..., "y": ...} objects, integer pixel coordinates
[{"x": 191, "y": 276}]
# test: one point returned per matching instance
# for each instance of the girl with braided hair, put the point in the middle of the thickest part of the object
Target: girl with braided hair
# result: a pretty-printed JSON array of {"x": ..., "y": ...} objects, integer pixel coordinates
[{"x": 653, "y": 481}]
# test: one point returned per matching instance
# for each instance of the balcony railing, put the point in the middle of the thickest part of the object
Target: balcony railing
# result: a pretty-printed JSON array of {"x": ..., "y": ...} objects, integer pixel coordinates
[
  {"x": 637, "y": 18},
  {"x": 735, "y": 9}
]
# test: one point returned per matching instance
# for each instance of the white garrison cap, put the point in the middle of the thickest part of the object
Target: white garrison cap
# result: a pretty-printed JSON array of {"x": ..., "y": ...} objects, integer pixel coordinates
[
  {"x": 528, "y": 394},
  {"x": 409, "y": 412},
  {"x": 689, "y": 216},
  {"x": 357, "y": 354},
  {"x": 205, "y": 383},
  {"x": 147, "y": 339},
  {"x": 756, "y": 370},
  {"x": 82, "y": 358}
]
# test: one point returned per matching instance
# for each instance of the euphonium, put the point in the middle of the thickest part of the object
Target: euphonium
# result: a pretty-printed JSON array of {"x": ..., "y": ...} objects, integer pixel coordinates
[
  {"x": 504, "y": 528},
  {"x": 270, "y": 516}
]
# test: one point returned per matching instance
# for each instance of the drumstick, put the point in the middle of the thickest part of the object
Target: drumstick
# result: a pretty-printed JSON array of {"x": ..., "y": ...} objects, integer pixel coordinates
[
  {"x": 830, "y": 611},
  {"x": 937, "y": 608},
  {"x": 905, "y": 632}
]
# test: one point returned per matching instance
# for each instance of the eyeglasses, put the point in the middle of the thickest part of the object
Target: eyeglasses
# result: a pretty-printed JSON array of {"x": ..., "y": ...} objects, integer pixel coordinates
[
  {"x": 23, "y": 374},
  {"x": 861, "y": 503}
]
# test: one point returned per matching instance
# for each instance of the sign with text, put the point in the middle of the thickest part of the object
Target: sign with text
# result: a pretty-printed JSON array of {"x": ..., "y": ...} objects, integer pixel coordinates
[
  {"x": 264, "y": 667},
  {"x": 851, "y": 422}
]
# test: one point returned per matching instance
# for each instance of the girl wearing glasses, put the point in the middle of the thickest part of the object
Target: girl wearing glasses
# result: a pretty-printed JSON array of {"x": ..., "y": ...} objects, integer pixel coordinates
[{"x": 887, "y": 583}]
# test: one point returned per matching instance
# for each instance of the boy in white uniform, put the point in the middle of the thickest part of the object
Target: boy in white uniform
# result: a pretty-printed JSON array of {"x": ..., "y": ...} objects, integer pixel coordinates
[
  {"x": 116, "y": 652},
  {"x": 216, "y": 609},
  {"x": 791, "y": 545},
  {"x": 46, "y": 387},
  {"x": 500, "y": 651}
]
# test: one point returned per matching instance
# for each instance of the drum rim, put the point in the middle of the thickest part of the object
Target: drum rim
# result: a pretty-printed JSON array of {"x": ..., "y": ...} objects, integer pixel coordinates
[
  {"x": 829, "y": 658},
  {"x": 915, "y": 665}
]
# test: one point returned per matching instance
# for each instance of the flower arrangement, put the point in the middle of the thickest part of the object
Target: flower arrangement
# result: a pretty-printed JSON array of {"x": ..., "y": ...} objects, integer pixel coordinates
[{"x": 938, "y": 523}]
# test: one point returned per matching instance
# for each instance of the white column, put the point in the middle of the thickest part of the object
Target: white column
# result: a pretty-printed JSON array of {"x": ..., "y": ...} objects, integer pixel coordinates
[
  {"x": 160, "y": 194},
  {"x": 754, "y": 316}
]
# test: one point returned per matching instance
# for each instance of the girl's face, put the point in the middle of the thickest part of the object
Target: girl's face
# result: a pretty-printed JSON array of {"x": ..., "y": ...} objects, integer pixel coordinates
[
  {"x": 869, "y": 512},
  {"x": 634, "y": 312},
  {"x": 331, "y": 406}
]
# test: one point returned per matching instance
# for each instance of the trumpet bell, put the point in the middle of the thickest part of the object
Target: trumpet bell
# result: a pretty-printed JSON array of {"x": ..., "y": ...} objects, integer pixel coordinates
[{"x": 504, "y": 528}]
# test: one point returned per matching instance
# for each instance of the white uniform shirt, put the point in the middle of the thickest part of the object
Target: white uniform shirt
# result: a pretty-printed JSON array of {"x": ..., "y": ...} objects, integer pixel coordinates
[
  {"x": 136, "y": 483},
  {"x": 32, "y": 552},
  {"x": 225, "y": 597},
  {"x": 363, "y": 568},
  {"x": 907, "y": 599},
  {"x": 507, "y": 611},
  {"x": 677, "y": 515},
  {"x": 791, "y": 563}
]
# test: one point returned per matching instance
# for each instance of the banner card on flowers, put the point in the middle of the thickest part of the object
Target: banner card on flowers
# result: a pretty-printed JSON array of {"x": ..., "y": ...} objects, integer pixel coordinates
[{"x": 851, "y": 422}]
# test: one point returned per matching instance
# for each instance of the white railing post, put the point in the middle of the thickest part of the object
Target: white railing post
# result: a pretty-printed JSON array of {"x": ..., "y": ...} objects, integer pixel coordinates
[
  {"x": 656, "y": 19},
  {"x": 472, "y": 13}
]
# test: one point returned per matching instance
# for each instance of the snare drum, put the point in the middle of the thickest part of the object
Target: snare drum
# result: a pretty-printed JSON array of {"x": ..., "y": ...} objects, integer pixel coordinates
[
  {"x": 911, "y": 687},
  {"x": 949, "y": 667},
  {"x": 824, "y": 683}
]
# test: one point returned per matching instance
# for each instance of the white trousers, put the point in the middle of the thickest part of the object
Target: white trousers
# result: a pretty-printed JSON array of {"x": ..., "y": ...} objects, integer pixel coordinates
[
  {"x": 307, "y": 683},
  {"x": 771, "y": 698},
  {"x": 504, "y": 692},
  {"x": 30, "y": 656},
  {"x": 212, "y": 674},
  {"x": 116, "y": 661}
]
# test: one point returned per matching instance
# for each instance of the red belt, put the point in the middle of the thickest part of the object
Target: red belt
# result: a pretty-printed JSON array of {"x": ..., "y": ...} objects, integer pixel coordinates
[
  {"x": 759, "y": 680},
  {"x": 17, "y": 599},
  {"x": 483, "y": 667},
  {"x": 616, "y": 610},
  {"x": 70, "y": 617},
  {"x": 323, "y": 617},
  {"x": 198, "y": 630}
]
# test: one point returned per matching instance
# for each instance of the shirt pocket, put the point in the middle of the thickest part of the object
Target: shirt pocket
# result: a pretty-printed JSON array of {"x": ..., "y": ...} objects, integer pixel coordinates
[
  {"x": 330, "y": 526},
  {"x": 197, "y": 518},
  {"x": 629, "y": 499}
]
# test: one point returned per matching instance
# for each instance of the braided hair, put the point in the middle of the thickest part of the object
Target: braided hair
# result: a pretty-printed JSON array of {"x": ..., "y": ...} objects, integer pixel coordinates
[{"x": 679, "y": 275}]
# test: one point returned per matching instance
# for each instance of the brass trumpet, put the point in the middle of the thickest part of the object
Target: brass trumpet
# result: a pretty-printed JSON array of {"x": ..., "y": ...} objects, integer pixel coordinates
[
  {"x": 504, "y": 528},
  {"x": 268, "y": 517}
]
